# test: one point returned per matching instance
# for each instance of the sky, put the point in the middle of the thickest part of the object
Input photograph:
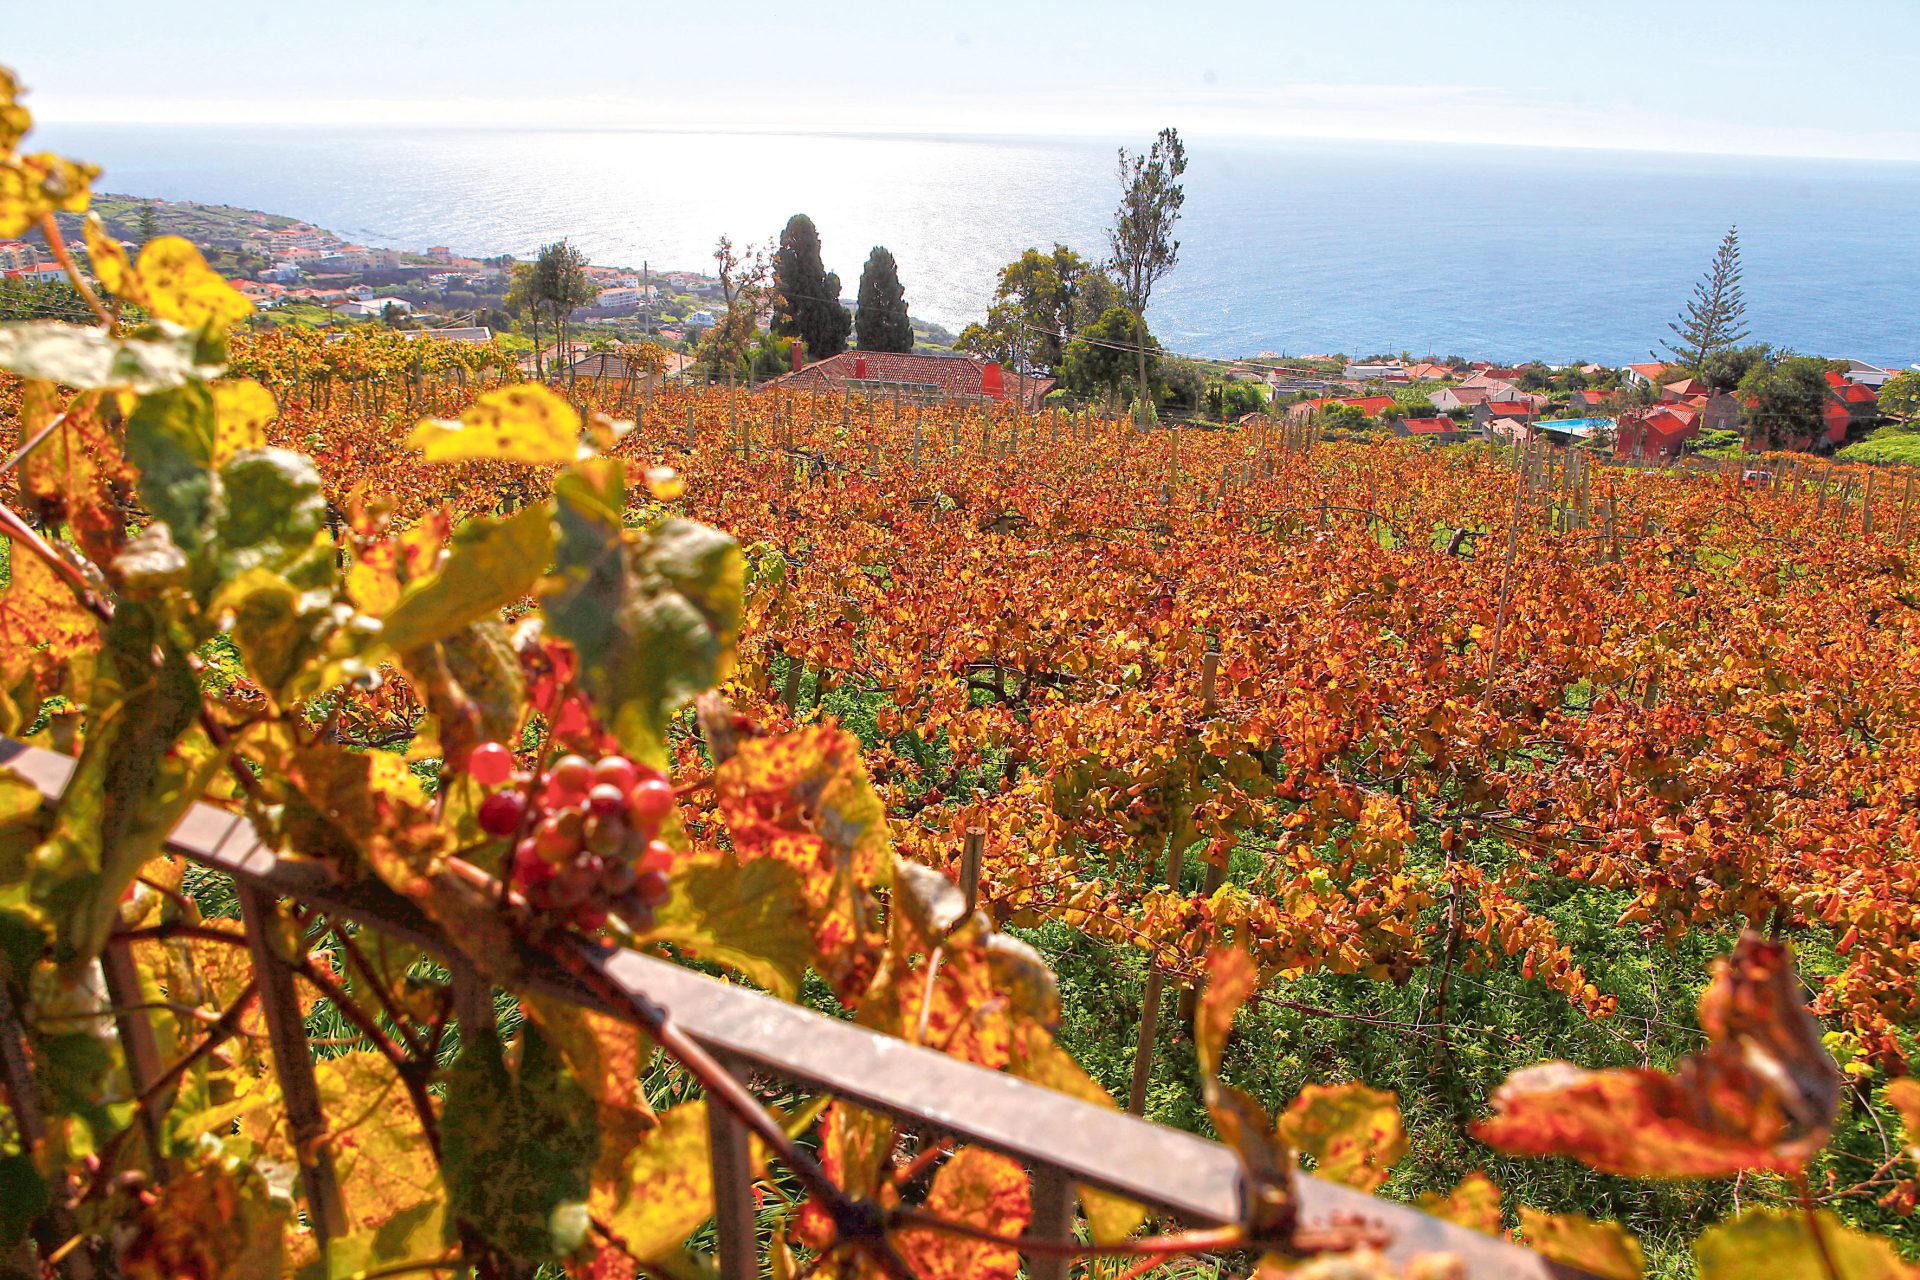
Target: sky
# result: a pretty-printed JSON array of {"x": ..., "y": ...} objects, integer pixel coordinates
[{"x": 1758, "y": 77}]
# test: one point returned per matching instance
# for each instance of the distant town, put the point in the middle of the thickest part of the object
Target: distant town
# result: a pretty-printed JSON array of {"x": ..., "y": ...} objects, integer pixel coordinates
[{"x": 301, "y": 274}]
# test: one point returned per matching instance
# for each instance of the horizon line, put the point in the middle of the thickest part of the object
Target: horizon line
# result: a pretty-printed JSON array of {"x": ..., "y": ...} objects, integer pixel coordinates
[{"x": 1063, "y": 134}]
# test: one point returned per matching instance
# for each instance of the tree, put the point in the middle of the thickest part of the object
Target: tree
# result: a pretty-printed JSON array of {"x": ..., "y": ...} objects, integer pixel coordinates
[
  {"x": 806, "y": 302},
  {"x": 149, "y": 224},
  {"x": 560, "y": 285},
  {"x": 522, "y": 300},
  {"x": 881, "y": 324},
  {"x": 1727, "y": 368},
  {"x": 1900, "y": 398},
  {"x": 1787, "y": 398},
  {"x": 1712, "y": 320},
  {"x": 743, "y": 287},
  {"x": 1098, "y": 360},
  {"x": 1141, "y": 238}
]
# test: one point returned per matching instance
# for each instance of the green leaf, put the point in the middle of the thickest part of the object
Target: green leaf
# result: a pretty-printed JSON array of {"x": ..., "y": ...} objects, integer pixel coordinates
[
  {"x": 24, "y": 1196},
  {"x": 519, "y": 1145},
  {"x": 491, "y": 564},
  {"x": 170, "y": 442},
  {"x": 653, "y": 624},
  {"x": 130, "y": 788},
  {"x": 90, "y": 359},
  {"x": 278, "y": 629},
  {"x": 273, "y": 516},
  {"x": 749, "y": 916}
]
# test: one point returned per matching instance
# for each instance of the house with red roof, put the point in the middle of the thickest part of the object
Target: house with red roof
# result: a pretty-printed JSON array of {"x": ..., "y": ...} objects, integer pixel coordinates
[
  {"x": 1645, "y": 375},
  {"x": 1683, "y": 390},
  {"x": 1427, "y": 371},
  {"x": 1657, "y": 432},
  {"x": 1436, "y": 430},
  {"x": 923, "y": 379},
  {"x": 1454, "y": 399}
]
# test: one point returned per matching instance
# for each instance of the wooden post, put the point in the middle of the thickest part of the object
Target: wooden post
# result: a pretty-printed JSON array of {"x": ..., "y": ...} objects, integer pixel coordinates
[
  {"x": 1906, "y": 501},
  {"x": 1053, "y": 1199},
  {"x": 970, "y": 866},
  {"x": 293, "y": 1065},
  {"x": 137, "y": 1041},
  {"x": 1866, "y": 507},
  {"x": 731, "y": 1154}
]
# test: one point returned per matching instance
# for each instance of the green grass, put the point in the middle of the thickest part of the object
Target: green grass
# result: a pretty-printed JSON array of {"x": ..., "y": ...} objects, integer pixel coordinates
[{"x": 1898, "y": 444}]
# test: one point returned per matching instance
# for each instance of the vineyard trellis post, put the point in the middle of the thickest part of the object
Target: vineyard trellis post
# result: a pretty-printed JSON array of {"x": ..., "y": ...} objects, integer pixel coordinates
[{"x": 970, "y": 853}]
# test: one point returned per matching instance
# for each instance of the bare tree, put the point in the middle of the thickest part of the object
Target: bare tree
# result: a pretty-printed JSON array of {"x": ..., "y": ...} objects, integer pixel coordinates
[
  {"x": 1141, "y": 237},
  {"x": 743, "y": 285}
]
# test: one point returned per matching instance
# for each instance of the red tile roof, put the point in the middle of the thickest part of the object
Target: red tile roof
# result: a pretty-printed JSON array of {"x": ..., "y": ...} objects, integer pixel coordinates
[
  {"x": 1431, "y": 426},
  {"x": 1851, "y": 392},
  {"x": 1510, "y": 408},
  {"x": 945, "y": 375},
  {"x": 1651, "y": 372}
]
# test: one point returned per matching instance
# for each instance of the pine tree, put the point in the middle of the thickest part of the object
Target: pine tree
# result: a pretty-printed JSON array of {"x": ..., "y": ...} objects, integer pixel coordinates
[
  {"x": 149, "y": 224},
  {"x": 1713, "y": 319},
  {"x": 881, "y": 323},
  {"x": 806, "y": 295}
]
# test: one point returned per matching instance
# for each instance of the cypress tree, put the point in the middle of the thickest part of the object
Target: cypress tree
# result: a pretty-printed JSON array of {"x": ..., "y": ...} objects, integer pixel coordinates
[
  {"x": 1712, "y": 321},
  {"x": 881, "y": 323},
  {"x": 806, "y": 295}
]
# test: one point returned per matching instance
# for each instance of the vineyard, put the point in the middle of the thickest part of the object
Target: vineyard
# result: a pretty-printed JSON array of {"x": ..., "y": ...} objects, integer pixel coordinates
[{"x": 1306, "y": 794}]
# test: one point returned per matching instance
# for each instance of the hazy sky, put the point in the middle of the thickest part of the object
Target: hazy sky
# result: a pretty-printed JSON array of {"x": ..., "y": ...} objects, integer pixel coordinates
[{"x": 1755, "y": 76}]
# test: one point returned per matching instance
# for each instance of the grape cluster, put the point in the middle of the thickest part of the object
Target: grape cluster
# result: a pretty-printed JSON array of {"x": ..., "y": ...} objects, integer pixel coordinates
[{"x": 588, "y": 843}]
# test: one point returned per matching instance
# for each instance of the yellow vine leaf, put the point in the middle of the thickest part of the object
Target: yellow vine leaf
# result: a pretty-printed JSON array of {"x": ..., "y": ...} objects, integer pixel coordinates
[
  {"x": 15, "y": 119},
  {"x": 181, "y": 287},
  {"x": 242, "y": 409},
  {"x": 1606, "y": 1249},
  {"x": 31, "y": 186},
  {"x": 1474, "y": 1203},
  {"x": 526, "y": 423},
  {"x": 983, "y": 1189},
  {"x": 1352, "y": 1132},
  {"x": 112, "y": 267},
  {"x": 1780, "y": 1245}
]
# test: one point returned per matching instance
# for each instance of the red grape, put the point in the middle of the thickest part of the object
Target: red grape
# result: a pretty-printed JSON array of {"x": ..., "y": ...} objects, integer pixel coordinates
[
  {"x": 501, "y": 812},
  {"x": 557, "y": 838},
  {"x": 658, "y": 857},
  {"x": 606, "y": 799},
  {"x": 649, "y": 803},
  {"x": 490, "y": 764},
  {"x": 571, "y": 775},
  {"x": 652, "y": 887},
  {"x": 616, "y": 771}
]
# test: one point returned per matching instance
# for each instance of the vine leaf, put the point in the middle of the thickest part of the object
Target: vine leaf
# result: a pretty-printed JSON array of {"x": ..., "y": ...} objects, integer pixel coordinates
[
  {"x": 804, "y": 799},
  {"x": 518, "y": 1146},
  {"x": 38, "y": 184},
  {"x": 526, "y": 423},
  {"x": 94, "y": 360},
  {"x": 1352, "y": 1132},
  {"x": 1473, "y": 1203},
  {"x": 1762, "y": 1095},
  {"x": 43, "y": 631},
  {"x": 216, "y": 1220},
  {"x": 749, "y": 916},
  {"x": 242, "y": 408},
  {"x": 1606, "y": 1249},
  {"x": 76, "y": 472},
  {"x": 983, "y": 1189},
  {"x": 130, "y": 787},
  {"x": 179, "y": 286},
  {"x": 1266, "y": 1157},
  {"x": 653, "y": 623},
  {"x": 1780, "y": 1244},
  {"x": 490, "y": 564}
]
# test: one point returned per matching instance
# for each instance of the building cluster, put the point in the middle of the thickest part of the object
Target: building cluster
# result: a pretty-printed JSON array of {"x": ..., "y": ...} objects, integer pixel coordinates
[{"x": 1484, "y": 401}]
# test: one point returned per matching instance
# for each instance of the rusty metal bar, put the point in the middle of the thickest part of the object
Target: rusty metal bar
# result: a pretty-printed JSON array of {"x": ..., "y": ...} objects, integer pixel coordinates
[
  {"x": 1174, "y": 1173},
  {"x": 730, "y": 1153},
  {"x": 293, "y": 1066}
]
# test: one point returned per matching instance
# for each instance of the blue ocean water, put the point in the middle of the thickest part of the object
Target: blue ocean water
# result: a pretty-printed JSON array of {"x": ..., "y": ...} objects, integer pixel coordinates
[{"x": 1295, "y": 247}]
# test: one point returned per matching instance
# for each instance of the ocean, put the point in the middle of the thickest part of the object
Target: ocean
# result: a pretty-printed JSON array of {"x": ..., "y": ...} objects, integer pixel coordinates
[{"x": 1287, "y": 246}]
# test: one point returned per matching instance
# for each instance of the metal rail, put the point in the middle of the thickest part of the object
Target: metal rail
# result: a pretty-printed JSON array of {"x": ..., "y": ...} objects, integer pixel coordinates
[{"x": 1061, "y": 1139}]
